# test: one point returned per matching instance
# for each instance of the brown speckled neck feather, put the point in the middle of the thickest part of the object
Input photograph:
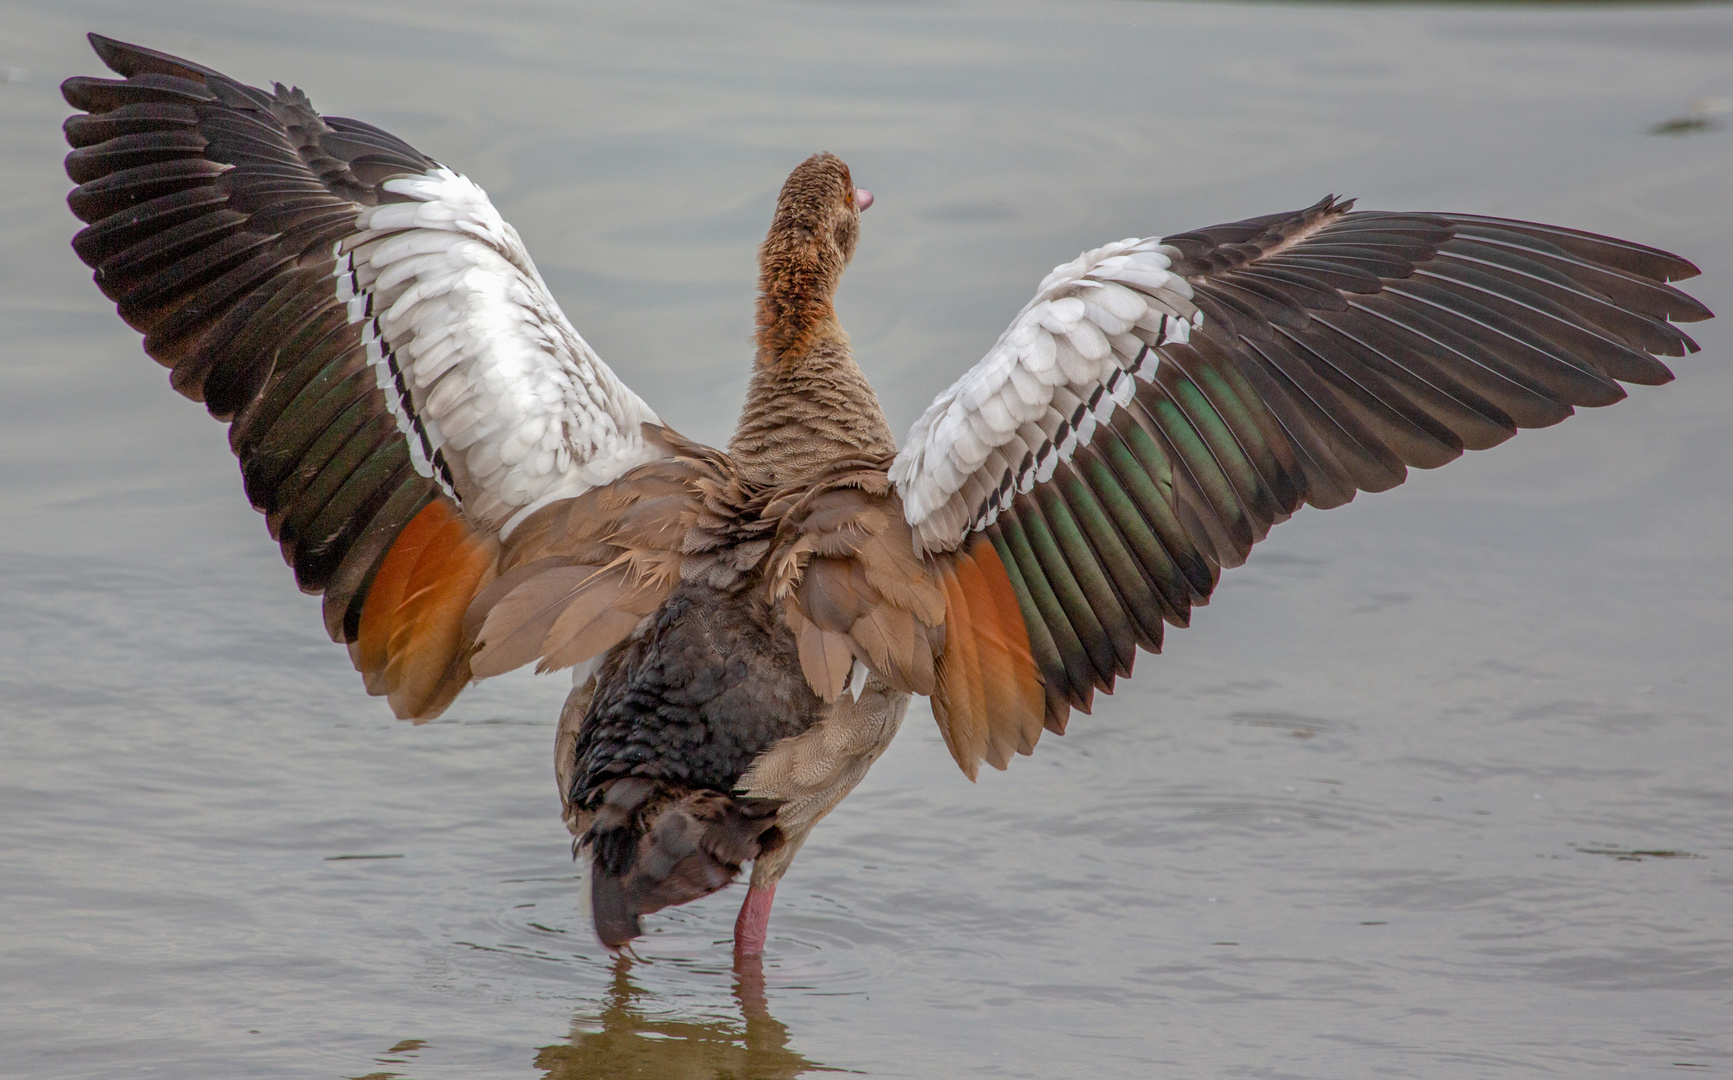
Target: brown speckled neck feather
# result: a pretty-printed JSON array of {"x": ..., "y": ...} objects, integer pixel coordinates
[{"x": 808, "y": 404}]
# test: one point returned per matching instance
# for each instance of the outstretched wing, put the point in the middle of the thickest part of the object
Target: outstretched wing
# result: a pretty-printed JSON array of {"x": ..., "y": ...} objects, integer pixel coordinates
[
  {"x": 401, "y": 387},
  {"x": 1160, "y": 404}
]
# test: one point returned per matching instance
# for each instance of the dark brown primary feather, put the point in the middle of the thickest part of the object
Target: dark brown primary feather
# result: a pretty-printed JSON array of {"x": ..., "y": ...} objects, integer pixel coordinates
[
  {"x": 212, "y": 211},
  {"x": 1336, "y": 351}
]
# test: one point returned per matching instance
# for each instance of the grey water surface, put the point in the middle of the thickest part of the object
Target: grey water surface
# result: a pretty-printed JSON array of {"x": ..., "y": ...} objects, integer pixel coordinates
[{"x": 1441, "y": 785}]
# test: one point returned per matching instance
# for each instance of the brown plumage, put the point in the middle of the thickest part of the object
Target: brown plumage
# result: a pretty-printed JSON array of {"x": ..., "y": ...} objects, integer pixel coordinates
[
  {"x": 754, "y": 622},
  {"x": 808, "y": 403},
  {"x": 798, "y": 530},
  {"x": 786, "y": 560}
]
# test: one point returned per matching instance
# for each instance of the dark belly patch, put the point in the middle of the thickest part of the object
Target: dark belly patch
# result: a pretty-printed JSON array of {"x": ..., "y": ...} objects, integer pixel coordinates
[{"x": 712, "y": 684}]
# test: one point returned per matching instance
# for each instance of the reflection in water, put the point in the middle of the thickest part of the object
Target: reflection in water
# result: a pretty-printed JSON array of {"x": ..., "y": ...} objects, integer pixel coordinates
[
  {"x": 631, "y": 1044},
  {"x": 401, "y": 1054}
]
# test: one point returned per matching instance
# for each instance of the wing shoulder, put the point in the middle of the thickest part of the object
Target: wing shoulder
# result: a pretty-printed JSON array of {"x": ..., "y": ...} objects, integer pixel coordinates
[{"x": 489, "y": 382}]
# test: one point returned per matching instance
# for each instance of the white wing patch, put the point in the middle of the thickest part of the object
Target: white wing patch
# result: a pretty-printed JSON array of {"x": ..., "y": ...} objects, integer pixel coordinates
[
  {"x": 1063, "y": 366},
  {"x": 500, "y": 400}
]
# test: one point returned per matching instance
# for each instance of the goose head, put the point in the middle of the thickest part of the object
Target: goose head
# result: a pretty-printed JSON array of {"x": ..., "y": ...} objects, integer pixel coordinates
[{"x": 811, "y": 240}]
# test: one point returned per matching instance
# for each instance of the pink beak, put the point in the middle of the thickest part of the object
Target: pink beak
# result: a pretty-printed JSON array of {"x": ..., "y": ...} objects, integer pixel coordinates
[{"x": 862, "y": 198}]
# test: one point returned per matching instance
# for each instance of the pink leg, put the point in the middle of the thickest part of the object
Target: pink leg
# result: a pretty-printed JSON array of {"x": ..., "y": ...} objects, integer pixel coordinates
[{"x": 752, "y": 926}]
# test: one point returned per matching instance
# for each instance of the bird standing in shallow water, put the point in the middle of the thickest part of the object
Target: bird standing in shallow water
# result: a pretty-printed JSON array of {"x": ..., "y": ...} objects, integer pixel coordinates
[{"x": 471, "y": 489}]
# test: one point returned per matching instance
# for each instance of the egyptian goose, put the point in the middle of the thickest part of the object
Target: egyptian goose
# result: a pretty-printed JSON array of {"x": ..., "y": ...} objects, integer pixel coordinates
[{"x": 441, "y": 455}]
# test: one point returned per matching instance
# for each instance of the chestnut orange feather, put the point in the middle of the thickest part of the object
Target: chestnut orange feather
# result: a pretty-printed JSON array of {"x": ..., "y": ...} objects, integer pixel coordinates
[{"x": 411, "y": 646}]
